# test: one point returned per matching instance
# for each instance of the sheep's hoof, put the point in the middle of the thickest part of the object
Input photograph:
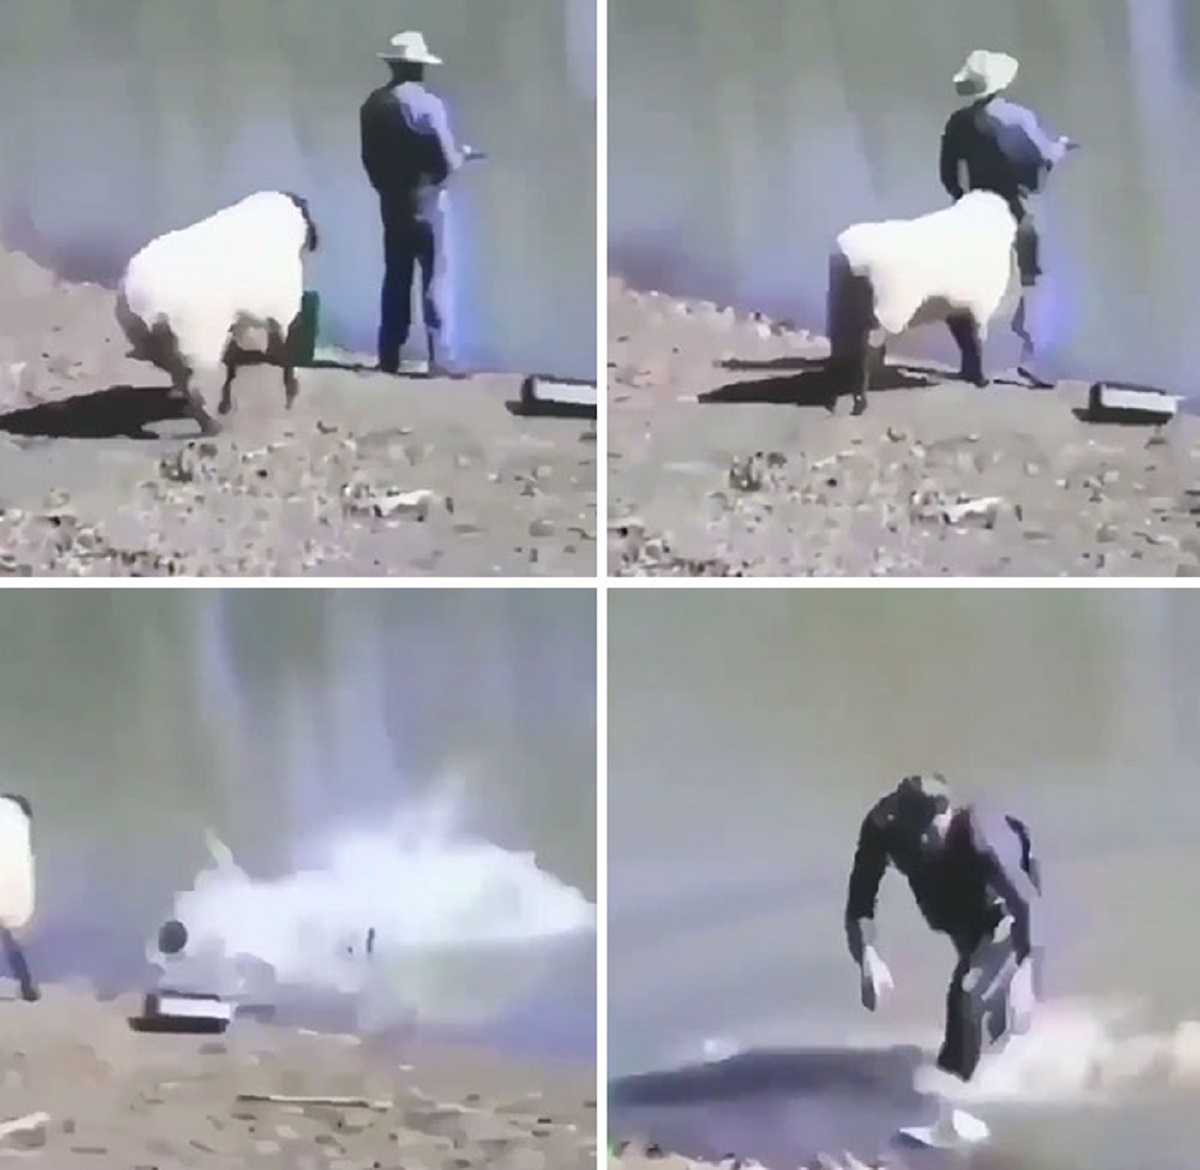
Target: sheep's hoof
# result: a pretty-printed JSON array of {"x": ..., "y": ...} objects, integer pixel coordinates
[
  {"x": 859, "y": 407},
  {"x": 224, "y": 407},
  {"x": 975, "y": 377}
]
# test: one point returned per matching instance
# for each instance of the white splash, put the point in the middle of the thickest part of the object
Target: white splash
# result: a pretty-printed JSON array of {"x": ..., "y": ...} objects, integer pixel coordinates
[
  {"x": 463, "y": 928},
  {"x": 1079, "y": 1051}
]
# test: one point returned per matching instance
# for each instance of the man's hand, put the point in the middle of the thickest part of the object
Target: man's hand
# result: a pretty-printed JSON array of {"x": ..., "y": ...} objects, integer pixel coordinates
[
  {"x": 876, "y": 979},
  {"x": 1020, "y": 999}
]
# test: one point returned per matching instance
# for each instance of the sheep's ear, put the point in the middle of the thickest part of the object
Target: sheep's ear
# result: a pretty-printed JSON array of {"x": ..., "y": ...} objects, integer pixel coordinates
[
  {"x": 312, "y": 237},
  {"x": 22, "y": 802}
]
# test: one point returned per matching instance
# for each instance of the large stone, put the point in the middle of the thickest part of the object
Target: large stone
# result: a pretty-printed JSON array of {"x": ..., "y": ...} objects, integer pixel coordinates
[
  {"x": 1125, "y": 402},
  {"x": 565, "y": 396}
]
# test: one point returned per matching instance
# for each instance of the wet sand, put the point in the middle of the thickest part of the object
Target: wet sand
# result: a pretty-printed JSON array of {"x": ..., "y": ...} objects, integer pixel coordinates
[
  {"x": 114, "y": 1097},
  {"x": 723, "y": 461},
  {"x": 368, "y": 475}
]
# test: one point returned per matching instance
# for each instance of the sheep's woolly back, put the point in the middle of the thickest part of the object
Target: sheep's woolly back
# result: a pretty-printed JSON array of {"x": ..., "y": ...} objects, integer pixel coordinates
[
  {"x": 16, "y": 865},
  {"x": 959, "y": 258},
  {"x": 241, "y": 267}
]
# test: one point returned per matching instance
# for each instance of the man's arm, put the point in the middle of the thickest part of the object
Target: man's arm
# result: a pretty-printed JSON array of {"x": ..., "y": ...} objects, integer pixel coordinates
[
  {"x": 951, "y": 157},
  {"x": 1014, "y": 886},
  {"x": 1052, "y": 150},
  {"x": 368, "y": 152},
  {"x": 870, "y": 864},
  {"x": 439, "y": 124}
]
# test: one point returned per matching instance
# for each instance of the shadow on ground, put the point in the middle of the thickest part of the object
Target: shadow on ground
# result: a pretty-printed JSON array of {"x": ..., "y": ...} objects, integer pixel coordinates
[
  {"x": 781, "y": 1107},
  {"x": 118, "y": 412},
  {"x": 806, "y": 382}
]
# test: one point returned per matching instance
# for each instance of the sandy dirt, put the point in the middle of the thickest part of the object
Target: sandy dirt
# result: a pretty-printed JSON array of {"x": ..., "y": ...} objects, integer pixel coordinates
[
  {"x": 723, "y": 461},
  {"x": 369, "y": 475},
  {"x": 117, "y": 1098}
]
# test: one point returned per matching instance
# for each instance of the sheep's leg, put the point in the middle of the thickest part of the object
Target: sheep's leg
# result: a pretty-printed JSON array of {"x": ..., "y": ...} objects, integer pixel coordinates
[
  {"x": 226, "y": 403},
  {"x": 195, "y": 402},
  {"x": 287, "y": 350},
  {"x": 965, "y": 331},
  {"x": 16, "y": 960},
  {"x": 870, "y": 363}
]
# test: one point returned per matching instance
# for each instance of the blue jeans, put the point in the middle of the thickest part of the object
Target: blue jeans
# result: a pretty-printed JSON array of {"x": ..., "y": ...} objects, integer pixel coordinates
[
  {"x": 977, "y": 1003},
  {"x": 410, "y": 246}
]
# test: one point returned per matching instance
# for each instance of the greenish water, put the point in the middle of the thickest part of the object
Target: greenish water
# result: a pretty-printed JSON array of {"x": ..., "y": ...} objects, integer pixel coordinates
[
  {"x": 749, "y": 731},
  {"x": 743, "y": 137},
  {"x": 292, "y": 723},
  {"x": 124, "y": 118}
]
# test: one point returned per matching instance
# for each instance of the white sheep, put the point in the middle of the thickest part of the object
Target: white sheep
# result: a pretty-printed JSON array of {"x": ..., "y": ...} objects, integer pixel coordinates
[
  {"x": 189, "y": 298},
  {"x": 17, "y": 885},
  {"x": 954, "y": 265}
]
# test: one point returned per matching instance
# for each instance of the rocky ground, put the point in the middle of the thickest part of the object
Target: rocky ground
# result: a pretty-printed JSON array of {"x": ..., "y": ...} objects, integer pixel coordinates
[
  {"x": 80, "y": 1088},
  {"x": 369, "y": 475},
  {"x": 627, "y": 1156},
  {"x": 723, "y": 462}
]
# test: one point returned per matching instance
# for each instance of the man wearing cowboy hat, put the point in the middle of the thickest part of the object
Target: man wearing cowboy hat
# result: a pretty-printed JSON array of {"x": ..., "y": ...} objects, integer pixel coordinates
[
  {"x": 1003, "y": 149},
  {"x": 408, "y": 152}
]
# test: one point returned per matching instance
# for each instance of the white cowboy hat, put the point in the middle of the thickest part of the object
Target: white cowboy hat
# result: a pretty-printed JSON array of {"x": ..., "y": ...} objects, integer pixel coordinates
[
  {"x": 985, "y": 73},
  {"x": 410, "y": 46}
]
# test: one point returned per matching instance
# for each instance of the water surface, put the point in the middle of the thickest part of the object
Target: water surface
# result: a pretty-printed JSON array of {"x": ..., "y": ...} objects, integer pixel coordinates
[
  {"x": 409, "y": 759},
  {"x": 123, "y": 119},
  {"x": 743, "y": 137},
  {"x": 749, "y": 733}
]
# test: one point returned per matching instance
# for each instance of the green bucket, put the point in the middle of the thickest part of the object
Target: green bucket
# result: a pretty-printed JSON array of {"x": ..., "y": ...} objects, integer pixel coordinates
[{"x": 307, "y": 327}]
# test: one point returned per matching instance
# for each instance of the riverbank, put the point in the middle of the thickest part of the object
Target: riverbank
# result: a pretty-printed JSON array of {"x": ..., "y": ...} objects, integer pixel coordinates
[
  {"x": 723, "y": 461},
  {"x": 97, "y": 1093},
  {"x": 629, "y": 1156},
  {"x": 368, "y": 475}
]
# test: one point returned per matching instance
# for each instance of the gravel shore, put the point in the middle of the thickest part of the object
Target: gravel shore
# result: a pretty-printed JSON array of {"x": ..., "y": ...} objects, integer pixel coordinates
[
  {"x": 369, "y": 475},
  {"x": 95, "y": 1093},
  {"x": 633, "y": 1157},
  {"x": 722, "y": 461}
]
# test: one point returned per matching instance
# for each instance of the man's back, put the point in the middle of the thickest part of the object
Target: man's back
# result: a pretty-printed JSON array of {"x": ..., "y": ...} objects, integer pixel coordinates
[
  {"x": 953, "y": 883},
  {"x": 403, "y": 151},
  {"x": 1001, "y": 145}
]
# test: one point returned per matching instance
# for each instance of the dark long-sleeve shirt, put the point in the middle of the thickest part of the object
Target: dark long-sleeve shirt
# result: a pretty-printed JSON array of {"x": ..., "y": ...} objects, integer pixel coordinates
[
  {"x": 964, "y": 887},
  {"x": 1003, "y": 147},
  {"x": 407, "y": 145}
]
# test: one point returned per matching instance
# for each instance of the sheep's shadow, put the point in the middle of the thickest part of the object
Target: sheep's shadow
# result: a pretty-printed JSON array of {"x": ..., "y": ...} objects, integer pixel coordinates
[
  {"x": 118, "y": 412},
  {"x": 807, "y": 382},
  {"x": 781, "y": 1107},
  {"x": 346, "y": 367}
]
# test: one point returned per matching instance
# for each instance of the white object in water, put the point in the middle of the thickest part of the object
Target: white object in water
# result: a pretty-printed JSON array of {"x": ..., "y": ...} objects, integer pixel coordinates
[{"x": 953, "y": 1128}]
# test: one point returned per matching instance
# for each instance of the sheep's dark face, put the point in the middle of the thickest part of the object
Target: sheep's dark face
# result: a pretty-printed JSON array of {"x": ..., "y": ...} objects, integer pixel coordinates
[
  {"x": 312, "y": 239},
  {"x": 21, "y": 802}
]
